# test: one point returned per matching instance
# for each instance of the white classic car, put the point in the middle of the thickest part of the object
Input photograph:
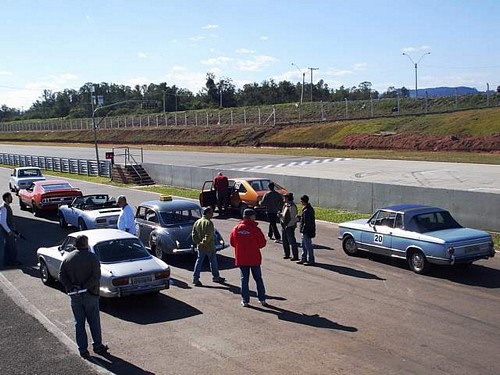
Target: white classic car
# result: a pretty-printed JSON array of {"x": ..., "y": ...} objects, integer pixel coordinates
[
  {"x": 90, "y": 212},
  {"x": 127, "y": 268},
  {"x": 23, "y": 177}
]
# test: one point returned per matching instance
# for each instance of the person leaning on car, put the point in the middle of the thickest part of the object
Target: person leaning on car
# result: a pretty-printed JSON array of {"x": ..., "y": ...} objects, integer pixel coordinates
[
  {"x": 126, "y": 219},
  {"x": 273, "y": 201},
  {"x": 80, "y": 274}
]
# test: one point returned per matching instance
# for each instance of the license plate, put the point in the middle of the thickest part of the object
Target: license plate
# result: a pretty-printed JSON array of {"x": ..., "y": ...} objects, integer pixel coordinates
[
  {"x": 472, "y": 249},
  {"x": 142, "y": 279}
]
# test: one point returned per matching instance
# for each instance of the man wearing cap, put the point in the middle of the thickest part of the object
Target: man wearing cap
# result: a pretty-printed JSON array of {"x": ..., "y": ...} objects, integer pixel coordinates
[
  {"x": 203, "y": 236},
  {"x": 247, "y": 240},
  {"x": 288, "y": 218},
  {"x": 308, "y": 232}
]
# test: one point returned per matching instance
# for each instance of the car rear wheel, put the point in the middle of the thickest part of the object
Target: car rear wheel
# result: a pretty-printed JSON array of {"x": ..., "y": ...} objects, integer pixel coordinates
[
  {"x": 243, "y": 207},
  {"x": 349, "y": 245},
  {"x": 22, "y": 206},
  {"x": 35, "y": 209},
  {"x": 417, "y": 261},
  {"x": 62, "y": 220},
  {"x": 47, "y": 279},
  {"x": 81, "y": 224}
]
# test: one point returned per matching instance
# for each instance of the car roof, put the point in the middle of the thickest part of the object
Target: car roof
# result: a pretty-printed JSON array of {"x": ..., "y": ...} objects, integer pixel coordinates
[
  {"x": 22, "y": 168},
  {"x": 99, "y": 235},
  {"x": 412, "y": 208},
  {"x": 51, "y": 182},
  {"x": 174, "y": 204}
]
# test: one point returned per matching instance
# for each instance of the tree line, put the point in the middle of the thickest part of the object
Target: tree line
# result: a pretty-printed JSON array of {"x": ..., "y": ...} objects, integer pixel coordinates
[{"x": 152, "y": 98}]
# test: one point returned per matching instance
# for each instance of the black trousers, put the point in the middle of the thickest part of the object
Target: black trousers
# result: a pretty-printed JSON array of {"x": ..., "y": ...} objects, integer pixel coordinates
[
  {"x": 273, "y": 226},
  {"x": 289, "y": 241}
]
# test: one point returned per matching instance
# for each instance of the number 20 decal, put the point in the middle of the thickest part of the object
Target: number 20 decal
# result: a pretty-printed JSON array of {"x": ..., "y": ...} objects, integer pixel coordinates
[{"x": 378, "y": 238}]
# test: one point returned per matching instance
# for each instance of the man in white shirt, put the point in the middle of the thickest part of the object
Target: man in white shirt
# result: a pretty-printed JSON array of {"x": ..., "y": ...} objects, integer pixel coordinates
[
  {"x": 126, "y": 219},
  {"x": 8, "y": 230}
]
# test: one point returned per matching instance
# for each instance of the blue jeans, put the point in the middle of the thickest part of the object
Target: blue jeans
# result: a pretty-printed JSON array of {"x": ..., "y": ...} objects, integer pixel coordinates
[
  {"x": 214, "y": 267},
  {"x": 86, "y": 307},
  {"x": 307, "y": 249},
  {"x": 257, "y": 276}
]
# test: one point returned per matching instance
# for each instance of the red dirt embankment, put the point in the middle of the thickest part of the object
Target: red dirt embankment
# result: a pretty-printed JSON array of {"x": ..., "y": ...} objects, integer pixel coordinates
[{"x": 415, "y": 141}]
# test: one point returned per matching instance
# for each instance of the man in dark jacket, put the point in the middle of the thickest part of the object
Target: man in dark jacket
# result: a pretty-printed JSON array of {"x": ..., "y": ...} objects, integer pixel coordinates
[
  {"x": 221, "y": 186},
  {"x": 8, "y": 230},
  {"x": 308, "y": 232},
  {"x": 80, "y": 274},
  {"x": 247, "y": 240},
  {"x": 273, "y": 201}
]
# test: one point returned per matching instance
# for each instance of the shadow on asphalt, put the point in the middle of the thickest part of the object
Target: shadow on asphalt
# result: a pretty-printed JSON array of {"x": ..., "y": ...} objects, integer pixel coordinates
[
  {"x": 187, "y": 262},
  {"x": 235, "y": 289},
  {"x": 348, "y": 271},
  {"x": 118, "y": 366},
  {"x": 473, "y": 275},
  {"x": 309, "y": 320},
  {"x": 148, "y": 309}
]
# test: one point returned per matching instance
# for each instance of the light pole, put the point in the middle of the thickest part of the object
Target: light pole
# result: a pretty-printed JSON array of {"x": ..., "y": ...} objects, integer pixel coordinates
[
  {"x": 311, "y": 69},
  {"x": 303, "y": 81},
  {"x": 416, "y": 67}
]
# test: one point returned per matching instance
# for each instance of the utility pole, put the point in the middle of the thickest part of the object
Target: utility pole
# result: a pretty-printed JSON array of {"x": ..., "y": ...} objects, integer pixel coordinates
[
  {"x": 311, "y": 69},
  {"x": 303, "y": 82},
  {"x": 416, "y": 67}
]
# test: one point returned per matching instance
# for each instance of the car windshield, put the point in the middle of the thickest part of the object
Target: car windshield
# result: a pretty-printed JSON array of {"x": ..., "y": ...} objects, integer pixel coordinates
[
  {"x": 180, "y": 216},
  {"x": 50, "y": 187},
  {"x": 122, "y": 250},
  {"x": 433, "y": 221},
  {"x": 30, "y": 173}
]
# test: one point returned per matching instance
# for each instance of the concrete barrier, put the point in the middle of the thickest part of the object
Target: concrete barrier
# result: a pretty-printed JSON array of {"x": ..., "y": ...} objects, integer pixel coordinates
[{"x": 471, "y": 209}]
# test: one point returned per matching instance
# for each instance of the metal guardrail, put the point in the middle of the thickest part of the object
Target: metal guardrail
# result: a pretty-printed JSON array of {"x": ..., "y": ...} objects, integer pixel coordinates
[{"x": 57, "y": 164}]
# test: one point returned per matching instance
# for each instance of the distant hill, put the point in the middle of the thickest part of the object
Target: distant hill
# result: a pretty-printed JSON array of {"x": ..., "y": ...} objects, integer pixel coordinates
[{"x": 435, "y": 92}]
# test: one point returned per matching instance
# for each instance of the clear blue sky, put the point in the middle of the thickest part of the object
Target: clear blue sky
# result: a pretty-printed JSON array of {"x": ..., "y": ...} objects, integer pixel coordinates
[{"x": 58, "y": 44}]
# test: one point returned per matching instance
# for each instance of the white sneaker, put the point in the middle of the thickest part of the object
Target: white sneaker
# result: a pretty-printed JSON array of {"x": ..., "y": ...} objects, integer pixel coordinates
[{"x": 244, "y": 304}]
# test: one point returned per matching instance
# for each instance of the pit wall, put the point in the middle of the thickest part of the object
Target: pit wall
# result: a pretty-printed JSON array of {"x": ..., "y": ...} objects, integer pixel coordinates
[{"x": 472, "y": 209}]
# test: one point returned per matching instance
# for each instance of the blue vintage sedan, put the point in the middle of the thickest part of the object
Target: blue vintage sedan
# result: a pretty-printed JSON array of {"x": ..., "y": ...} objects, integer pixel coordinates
[{"x": 420, "y": 234}]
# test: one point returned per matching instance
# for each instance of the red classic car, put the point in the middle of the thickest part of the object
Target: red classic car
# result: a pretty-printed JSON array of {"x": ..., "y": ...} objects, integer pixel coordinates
[{"x": 47, "y": 195}]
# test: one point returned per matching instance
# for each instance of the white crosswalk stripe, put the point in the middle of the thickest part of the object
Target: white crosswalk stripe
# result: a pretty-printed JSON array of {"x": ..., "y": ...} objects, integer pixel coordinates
[{"x": 291, "y": 164}]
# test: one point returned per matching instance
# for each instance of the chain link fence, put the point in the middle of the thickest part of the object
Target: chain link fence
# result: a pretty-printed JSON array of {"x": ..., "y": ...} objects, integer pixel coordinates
[{"x": 282, "y": 114}]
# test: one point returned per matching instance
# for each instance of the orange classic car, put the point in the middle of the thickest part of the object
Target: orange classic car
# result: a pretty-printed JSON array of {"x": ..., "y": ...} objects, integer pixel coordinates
[
  {"x": 47, "y": 195},
  {"x": 246, "y": 192}
]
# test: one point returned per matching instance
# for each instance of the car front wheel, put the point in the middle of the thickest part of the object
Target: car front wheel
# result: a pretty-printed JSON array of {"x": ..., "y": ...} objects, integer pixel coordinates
[
  {"x": 81, "y": 224},
  {"x": 45, "y": 275},
  {"x": 35, "y": 209},
  {"x": 349, "y": 245},
  {"x": 418, "y": 263},
  {"x": 62, "y": 220}
]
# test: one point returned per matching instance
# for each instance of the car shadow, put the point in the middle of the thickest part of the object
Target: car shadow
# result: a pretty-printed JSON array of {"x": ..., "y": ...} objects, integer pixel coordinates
[
  {"x": 148, "y": 309},
  {"x": 348, "y": 271},
  {"x": 117, "y": 365},
  {"x": 314, "y": 320},
  {"x": 187, "y": 262},
  {"x": 473, "y": 275}
]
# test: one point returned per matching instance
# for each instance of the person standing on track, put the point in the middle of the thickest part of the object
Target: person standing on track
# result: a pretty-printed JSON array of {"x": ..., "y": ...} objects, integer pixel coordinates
[{"x": 273, "y": 201}]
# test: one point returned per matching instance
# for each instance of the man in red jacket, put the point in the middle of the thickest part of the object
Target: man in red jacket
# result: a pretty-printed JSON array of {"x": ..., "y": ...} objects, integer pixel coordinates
[{"x": 247, "y": 240}]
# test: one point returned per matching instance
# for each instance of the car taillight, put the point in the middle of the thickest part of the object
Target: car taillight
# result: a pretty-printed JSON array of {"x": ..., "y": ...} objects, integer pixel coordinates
[
  {"x": 163, "y": 274},
  {"x": 451, "y": 250},
  {"x": 45, "y": 200},
  {"x": 120, "y": 281}
]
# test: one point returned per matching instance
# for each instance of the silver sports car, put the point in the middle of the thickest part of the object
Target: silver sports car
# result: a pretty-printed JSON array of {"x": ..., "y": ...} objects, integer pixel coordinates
[
  {"x": 89, "y": 212},
  {"x": 127, "y": 268}
]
